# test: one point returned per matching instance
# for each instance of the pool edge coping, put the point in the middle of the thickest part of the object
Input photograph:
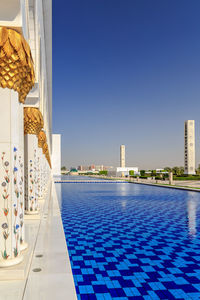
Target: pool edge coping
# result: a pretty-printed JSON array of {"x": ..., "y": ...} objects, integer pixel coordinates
[
  {"x": 145, "y": 183},
  {"x": 168, "y": 186}
]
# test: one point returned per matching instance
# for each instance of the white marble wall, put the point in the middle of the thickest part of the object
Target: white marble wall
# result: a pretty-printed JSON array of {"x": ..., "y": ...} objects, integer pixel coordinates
[{"x": 56, "y": 154}]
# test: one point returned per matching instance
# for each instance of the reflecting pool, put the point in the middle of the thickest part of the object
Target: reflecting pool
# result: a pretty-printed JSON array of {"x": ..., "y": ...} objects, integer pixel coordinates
[{"x": 131, "y": 241}]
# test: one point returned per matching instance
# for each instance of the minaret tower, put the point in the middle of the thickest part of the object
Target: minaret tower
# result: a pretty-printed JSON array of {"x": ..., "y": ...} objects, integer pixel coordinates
[
  {"x": 122, "y": 156},
  {"x": 189, "y": 147}
]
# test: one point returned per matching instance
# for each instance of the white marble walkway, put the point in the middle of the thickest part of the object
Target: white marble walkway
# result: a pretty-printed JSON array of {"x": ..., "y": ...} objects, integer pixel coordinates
[{"x": 47, "y": 253}]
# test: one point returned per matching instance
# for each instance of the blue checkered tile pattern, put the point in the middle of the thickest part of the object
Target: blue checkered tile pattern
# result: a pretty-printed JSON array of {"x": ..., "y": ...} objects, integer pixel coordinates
[{"x": 129, "y": 241}]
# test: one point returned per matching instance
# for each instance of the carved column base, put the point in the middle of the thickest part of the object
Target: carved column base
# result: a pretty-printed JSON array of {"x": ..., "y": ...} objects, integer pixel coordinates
[
  {"x": 11, "y": 262},
  {"x": 35, "y": 212},
  {"x": 23, "y": 246}
]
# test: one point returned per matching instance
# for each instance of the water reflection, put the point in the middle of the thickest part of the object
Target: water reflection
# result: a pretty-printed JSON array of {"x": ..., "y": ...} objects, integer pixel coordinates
[
  {"x": 126, "y": 189},
  {"x": 122, "y": 188},
  {"x": 192, "y": 207},
  {"x": 123, "y": 203}
]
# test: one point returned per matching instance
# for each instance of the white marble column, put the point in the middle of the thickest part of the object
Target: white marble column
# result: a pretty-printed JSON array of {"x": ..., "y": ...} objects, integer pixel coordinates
[
  {"x": 33, "y": 123},
  {"x": 40, "y": 166},
  {"x": 41, "y": 158},
  {"x": 11, "y": 172},
  {"x": 48, "y": 173},
  {"x": 31, "y": 187},
  {"x": 45, "y": 150},
  {"x": 16, "y": 74},
  {"x": 46, "y": 176},
  {"x": 42, "y": 175},
  {"x": 23, "y": 244}
]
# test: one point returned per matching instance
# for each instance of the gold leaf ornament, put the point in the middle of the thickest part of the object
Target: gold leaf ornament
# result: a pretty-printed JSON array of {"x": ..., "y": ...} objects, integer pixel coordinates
[
  {"x": 48, "y": 158},
  {"x": 45, "y": 148},
  {"x": 41, "y": 139},
  {"x": 33, "y": 120},
  {"x": 16, "y": 63}
]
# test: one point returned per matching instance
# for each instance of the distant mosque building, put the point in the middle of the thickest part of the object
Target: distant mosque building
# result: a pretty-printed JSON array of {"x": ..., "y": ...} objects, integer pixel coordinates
[{"x": 123, "y": 171}]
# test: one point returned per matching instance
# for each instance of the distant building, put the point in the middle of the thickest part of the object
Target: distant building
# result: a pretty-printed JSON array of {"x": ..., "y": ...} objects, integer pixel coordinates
[
  {"x": 122, "y": 156},
  {"x": 189, "y": 147},
  {"x": 121, "y": 172},
  {"x": 103, "y": 168},
  {"x": 92, "y": 168},
  {"x": 161, "y": 171},
  {"x": 99, "y": 168},
  {"x": 82, "y": 168},
  {"x": 125, "y": 171},
  {"x": 73, "y": 172},
  {"x": 108, "y": 168}
]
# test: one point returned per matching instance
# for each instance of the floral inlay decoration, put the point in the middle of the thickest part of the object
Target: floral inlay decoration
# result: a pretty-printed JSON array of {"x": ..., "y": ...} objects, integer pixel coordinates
[
  {"x": 5, "y": 184},
  {"x": 16, "y": 204},
  {"x": 31, "y": 183},
  {"x": 21, "y": 215}
]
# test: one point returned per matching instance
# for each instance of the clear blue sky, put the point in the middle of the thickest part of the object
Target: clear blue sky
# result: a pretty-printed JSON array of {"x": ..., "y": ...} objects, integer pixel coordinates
[{"x": 125, "y": 72}]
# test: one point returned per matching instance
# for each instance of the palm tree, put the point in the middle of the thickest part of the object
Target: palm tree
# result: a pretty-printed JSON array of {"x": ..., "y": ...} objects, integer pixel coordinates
[
  {"x": 168, "y": 169},
  {"x": 175, "y": 170}
]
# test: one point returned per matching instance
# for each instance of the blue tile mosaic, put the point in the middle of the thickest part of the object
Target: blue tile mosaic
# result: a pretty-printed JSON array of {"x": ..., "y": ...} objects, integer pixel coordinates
[{"x": 129, "y": 241}]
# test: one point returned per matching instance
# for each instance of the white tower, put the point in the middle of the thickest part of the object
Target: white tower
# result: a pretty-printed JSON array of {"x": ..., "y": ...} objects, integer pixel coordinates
[
  {"x": 189, "y": 147},
  {"x": 122, "y": 156}
]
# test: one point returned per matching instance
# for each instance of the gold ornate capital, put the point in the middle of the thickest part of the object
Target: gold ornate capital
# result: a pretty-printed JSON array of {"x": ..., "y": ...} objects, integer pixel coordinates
[
  {"x": 33, "y": 120},
  {"x": 48, "y": 158},
  {"x": 45, "y": 148},
  {"x": 41, "y": 139},
  {"x": 16, "y": 63}
]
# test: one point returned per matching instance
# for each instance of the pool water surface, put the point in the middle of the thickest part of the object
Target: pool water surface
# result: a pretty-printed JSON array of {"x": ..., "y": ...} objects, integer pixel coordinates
[{"x": 130, "y": 241}]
